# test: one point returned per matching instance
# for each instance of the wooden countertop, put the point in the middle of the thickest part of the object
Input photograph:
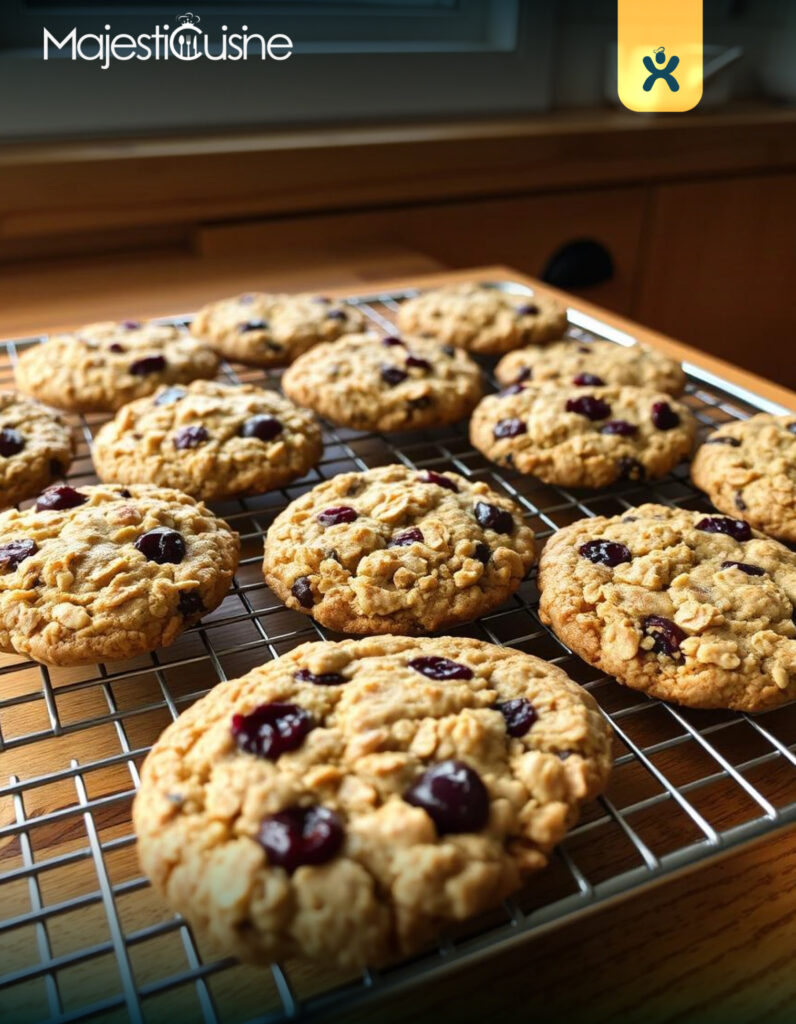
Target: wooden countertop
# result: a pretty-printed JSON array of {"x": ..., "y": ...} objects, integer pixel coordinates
[{"x": 716, "y": 943}]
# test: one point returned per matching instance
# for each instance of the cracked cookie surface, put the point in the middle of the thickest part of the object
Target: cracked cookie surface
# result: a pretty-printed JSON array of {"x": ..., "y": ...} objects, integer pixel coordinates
[
  {"x": 483, "y": 319},
  {"x": 583, "y": 436},
  {"x": 210, "y": 440},
  {"x": 102, "y": 366},
  {"x": 593, "y": 363},
  {"x": 103, "y": 573},
  {"x": 748, "y": 470},
  {"x": 396, "y": 550},
  {"x": 367, "y": 382},
  {"x": 36, "y": 447},
  {"x": 688, "y": 607},
  {"x": 326, "y": 835},
  {"x": 272, "y": 330}
]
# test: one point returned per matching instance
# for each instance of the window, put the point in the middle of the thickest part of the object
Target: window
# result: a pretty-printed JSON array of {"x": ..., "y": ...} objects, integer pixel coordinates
[{"x": 365, "y": 60}]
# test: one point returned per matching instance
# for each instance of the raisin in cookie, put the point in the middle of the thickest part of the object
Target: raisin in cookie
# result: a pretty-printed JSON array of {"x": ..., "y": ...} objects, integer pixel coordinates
[
  {"x": 372, "y": 383},
  {"x": 272, "y": 330},
  {"x": 210, "y": 440},
  {"x": 748, "y": 469},
  {"x": 396, "y": 550},
  {"x": 583, "y": 437},
  {"x": 103, "y": 366},
  {"x": 688, "y": 607},
  {"x": 482, "y": 318},
  {"x": 592, "y": 365},
  {"x": 104, "y": 573},
  {"x": 36, "y": 447},
  {"x": 348, "y": 800}
]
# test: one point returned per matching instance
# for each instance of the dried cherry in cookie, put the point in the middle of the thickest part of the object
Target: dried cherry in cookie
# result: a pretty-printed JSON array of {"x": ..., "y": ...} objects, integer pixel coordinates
[
  {"x": 519, "y": 714},
  {"x": 440, "y": 668},
  {"x": 605, "y": 552},
  {"x": 147, "y": 365},
  {"x": 162, "y": 545},
  {"x": 11, "y": 442},
  {"x": 490, "y": 517},
  {"x": 666, "y": 635},
  {"x": 589, "y": 406},
  {"x": 272, "y": 729},
  {"x": 453, "y": 796},
  {"x": 59, "y": 498},
  {"x": 191, "y": 437},
  {"x": 14, "y": 552},
  {"x": 301, "y": 836},
  {"x": 735, "y": 528}
]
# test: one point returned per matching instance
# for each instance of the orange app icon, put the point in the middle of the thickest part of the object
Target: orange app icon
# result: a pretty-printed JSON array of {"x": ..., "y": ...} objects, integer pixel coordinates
[{"x": 659, "y": 54}]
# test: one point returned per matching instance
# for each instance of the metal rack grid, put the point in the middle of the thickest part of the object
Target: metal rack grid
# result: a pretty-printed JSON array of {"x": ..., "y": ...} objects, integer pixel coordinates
[{"x": 83, "y": 937}]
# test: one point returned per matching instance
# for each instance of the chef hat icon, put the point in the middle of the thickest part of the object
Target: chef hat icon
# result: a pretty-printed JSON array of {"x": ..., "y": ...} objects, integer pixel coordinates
[{"x": 189, "y": 18}]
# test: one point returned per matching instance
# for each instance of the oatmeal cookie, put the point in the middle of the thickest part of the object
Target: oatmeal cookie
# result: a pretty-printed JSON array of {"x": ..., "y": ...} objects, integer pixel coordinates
[
  {"x": 371, "y": 383},
  {"x": 36, "y": 447},
  {"x": 105, "y": 573},
  {"x": 748, "y": 469},
  {"x": 396, "y": 550},
  {"x": 348, "y": 800},
  {"x": 210, "y": 440},
  {"x": 688, "y": 607},
  {"x": 592, "y": 364},
  {"x": 272, "y": 330},
  {"x": 102, "y": 366},
  {"x": 483, "y": 318},
  {"x": 583, "y": 437}
]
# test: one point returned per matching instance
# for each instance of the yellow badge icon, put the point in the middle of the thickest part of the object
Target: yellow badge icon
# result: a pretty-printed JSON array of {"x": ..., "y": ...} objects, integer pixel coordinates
[{"x": 659, "y": 54}]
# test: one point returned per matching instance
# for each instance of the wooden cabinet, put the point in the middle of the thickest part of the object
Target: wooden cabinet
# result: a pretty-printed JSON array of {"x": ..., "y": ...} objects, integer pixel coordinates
[{"x": 717, "y": 264}]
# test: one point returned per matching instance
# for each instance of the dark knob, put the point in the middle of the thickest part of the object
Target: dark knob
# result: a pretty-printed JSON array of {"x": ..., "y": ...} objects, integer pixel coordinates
[{"x": 579, "y": 264}]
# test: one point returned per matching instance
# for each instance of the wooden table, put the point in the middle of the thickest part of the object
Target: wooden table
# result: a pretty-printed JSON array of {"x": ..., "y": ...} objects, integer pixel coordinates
[{"x": 714, "y": 944}]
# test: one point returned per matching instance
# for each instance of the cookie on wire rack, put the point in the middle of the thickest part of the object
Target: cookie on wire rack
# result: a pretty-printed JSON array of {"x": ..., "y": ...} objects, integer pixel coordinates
[
  {"x": 348, "y": 800},
  {"x": 748, "y": 470},
  {"x": 262, "y": 329},
  {"x": 102, "y": 366},
  {"x": 583, "y": 436},
  {"x": 396, "y": 550},
  {"x": 592, "y": 364},
  {"x": 692, "y": 608},
  {"x": 483, "y": 318},
  {"x": 36, "y": 447},
  {"x": 393, "y": 383},
  {"x": 209, "y": 440},
  {"x": 104, "y": 573}
]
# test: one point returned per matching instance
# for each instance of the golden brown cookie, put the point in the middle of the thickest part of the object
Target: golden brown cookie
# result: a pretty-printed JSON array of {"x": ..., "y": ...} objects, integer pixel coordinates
[
  {"x": 36, "y": 447},
  {"x": 348, "y": 800},
  {"x": 210, "y": 440},
  {"x": 272, "y": 330},
  {"x": 592, "y": 364},
  {"x": 367, "y": 382},
  {"x": 583, "y": 436},
  {"x": 688, "y": 607},
  {"x": 748, "y": 470},
  {"x": 105, "y": 573},
  {"x": 483, "y": 318},
  {"x": 103, "y": 366},
  {"x": 394, "y": 550}
]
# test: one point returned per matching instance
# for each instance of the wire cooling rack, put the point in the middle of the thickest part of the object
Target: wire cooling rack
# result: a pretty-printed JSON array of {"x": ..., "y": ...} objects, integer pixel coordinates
[{"x": 83, "y": 937}]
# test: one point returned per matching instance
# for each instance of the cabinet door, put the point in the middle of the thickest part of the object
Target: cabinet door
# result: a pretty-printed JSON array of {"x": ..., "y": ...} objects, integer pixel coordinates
[{"x": 718, "y": 266}]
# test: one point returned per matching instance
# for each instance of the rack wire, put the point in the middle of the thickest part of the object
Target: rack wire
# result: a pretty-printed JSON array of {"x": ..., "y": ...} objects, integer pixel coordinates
[{"x": 83, "y": 937}]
